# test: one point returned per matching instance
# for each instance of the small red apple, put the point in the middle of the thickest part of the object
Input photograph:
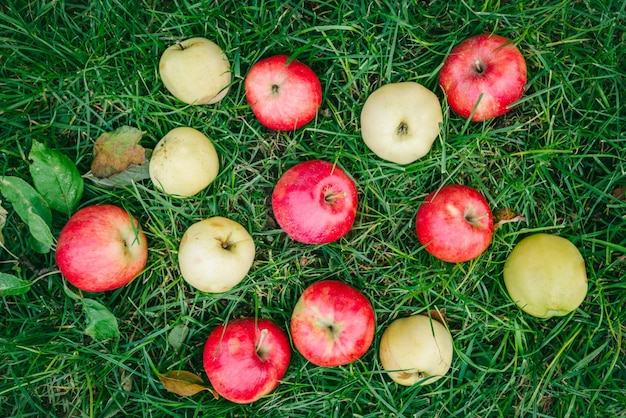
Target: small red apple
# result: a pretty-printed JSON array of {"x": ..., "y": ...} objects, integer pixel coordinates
[
  {"x": 332, "y": 323},
  {"x": 315, "y": 202},
  {"x": 283, "y": 94},
  {"x": 455, "y": 223},
  {"x": 485, "y": 67},
  {"x": 246, "y": 358},
  {"x": 102, "y": 247}
]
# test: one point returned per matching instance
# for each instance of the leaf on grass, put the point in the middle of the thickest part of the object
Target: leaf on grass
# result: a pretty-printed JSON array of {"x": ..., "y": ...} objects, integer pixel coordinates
[
  {"x": 11, "y": 285},
  {"x": 3, "y": 221},
  {"x": 184, "y": 383},
  {"x": 31, "y": 207},
  {"x": 125, "y": 178},
  {"x": 101, "y": 323},
  {"x": 505, "y": 215},
  {"x": 56, "y": 178},
  {"x": 116, "y": 151},
  {"x": 620, "y": 193},
  {"x": 177, "y": 336}
]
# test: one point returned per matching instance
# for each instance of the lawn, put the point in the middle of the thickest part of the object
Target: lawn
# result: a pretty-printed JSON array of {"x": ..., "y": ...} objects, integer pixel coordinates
[{"x": 71, "y": 70}]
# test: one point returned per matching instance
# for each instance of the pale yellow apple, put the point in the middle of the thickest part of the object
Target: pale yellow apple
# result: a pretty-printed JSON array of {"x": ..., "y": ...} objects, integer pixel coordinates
[
  {"x": 195, "y": 71},
  {"x": 183, "y": 162},
  {"x": 545, "y": 275},
  {"x": 400, "y": 121},
  {"x": 215, "y": 254},
  {"x": 416, "y": 350}
]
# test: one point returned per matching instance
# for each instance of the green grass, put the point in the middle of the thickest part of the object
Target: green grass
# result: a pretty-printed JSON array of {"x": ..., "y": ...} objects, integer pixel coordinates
[{"x": 70, "y": 71}]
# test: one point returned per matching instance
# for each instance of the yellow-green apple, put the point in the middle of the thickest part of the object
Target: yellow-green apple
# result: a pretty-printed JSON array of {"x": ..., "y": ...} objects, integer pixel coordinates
[
  {"x": 332, "y": 323},
  {"x": 283, "y": 94},
  {"x": 400, "y": 121},
  {"x": 215, "y": 254},
  {"x": 195, "y": 71},
  {"x": 246, "y": 358},
  {"x": 454, "y": 223},
  {"x": 102, "y": 247},
  {"x": 483, "y": 76},
  {"x": 183, "y": 162},
  {"x": 416, "y": 350},
  {"x": 315, "y": 202},
  {"x": 545, "y": 275}
]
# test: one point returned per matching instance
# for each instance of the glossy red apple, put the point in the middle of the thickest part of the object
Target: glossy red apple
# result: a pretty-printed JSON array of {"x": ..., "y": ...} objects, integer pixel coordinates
[
  {"x": 102, "y": 247},
  {"x": 284, "y": 95},
  {"x": 332, "y": 323},
  {"x": 485, "y": 72},
  {"x": 315, "y": 202},
  {"x": 455, "y": 223},
  {"x": 246, "y": 358}
]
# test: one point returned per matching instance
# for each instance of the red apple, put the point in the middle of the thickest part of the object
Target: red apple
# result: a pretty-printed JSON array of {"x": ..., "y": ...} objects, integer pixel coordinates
[
  {"x": 315, "y": 202},
  {"x": 485, "y": 72},
  {"x": 332, "y": 323},
  {"x": 102, "y": 247},
  {"x": 284, "y": 95},
  {"x": 246, "y": 358},
  {"x": 455, "y": 223}
]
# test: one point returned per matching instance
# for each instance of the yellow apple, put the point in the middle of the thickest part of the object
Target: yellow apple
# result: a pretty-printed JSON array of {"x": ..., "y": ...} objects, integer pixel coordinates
[
  {"x": 416, "y": 349},
  {"x": 400, "y": 121},
  {"x": 215, "y": 254},
  {"x": 545, "y": 276},
  {"x": 183, "y": 162},
  {"x": 196, "y": 71}
]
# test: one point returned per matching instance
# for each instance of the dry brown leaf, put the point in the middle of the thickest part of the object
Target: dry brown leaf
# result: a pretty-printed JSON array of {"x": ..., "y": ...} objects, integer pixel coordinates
[
  {"x": 116, "y": 151},
  {"x": 620, "y": 193},
  {"x": 505, "y": 215},
  {"x": 184, "y": 383}
]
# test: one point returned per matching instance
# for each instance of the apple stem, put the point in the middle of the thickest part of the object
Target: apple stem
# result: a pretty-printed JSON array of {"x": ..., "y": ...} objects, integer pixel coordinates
[
  {"x": 259, "y": 343},
  {"x": 478, "y": 66},
  {"x": 474, "y": 219},
  {"x": 331, "y": 197}
]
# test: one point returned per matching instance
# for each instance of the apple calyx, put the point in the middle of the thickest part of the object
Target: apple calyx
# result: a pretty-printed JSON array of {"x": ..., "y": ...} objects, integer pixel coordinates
[
  {"x": 403, "y": 129},
  {"x": 331, "y": 328}
]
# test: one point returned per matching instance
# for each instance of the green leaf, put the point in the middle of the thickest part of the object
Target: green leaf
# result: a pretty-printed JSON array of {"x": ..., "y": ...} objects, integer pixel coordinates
[
  {"x": 101, "y": 323},
  {"x": 177, "y": 336},
  {"x": 11, "y": 285},
  {"x": 24, "y": 197},
  {"x": 56, "y": 177},
  {"x": 31, "y": 207}
]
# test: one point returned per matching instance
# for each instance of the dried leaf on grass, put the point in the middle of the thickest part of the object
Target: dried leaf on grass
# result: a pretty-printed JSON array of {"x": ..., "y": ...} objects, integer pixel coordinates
[
  {"x": 505, "y": 215},
  {"x": 437, "y": 314},
  {"x": 184, "y": 383},
  {"x": 117, "y": 151}
]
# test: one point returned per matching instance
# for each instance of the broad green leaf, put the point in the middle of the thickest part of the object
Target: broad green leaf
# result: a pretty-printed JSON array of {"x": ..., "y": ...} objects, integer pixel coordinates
[
  {"x": 177, "y": 336},
  {"x": 40, "y": 232},
  {"x": 25, "y": 199},
  {"x": 101, "y": 323},
  {"x": 184, "y": 383},
  {"x": 56, "y": 177},
  {"x": 11, "y": 285}
]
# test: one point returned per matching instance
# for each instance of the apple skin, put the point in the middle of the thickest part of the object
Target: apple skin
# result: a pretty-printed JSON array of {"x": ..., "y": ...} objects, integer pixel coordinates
[
  {"x": 102, "y": 247},
  {"x": 184, "y": 162},
  {"x": 332, "y": 323},
  {"x": 215, "y": 254},
  {"x": 195, "y": 71},
  {"x": 400, "y": 121},
  {"x": 545, "y": 276},
  {"x": 315, "y": 202},
  {"x": 487, "y": 65},
  {"x": 455, "y": 223},
  {"x": 416, "y": 350},
  {"x": 283, "y": 96},
  {"x": 246, "y": 358}
]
